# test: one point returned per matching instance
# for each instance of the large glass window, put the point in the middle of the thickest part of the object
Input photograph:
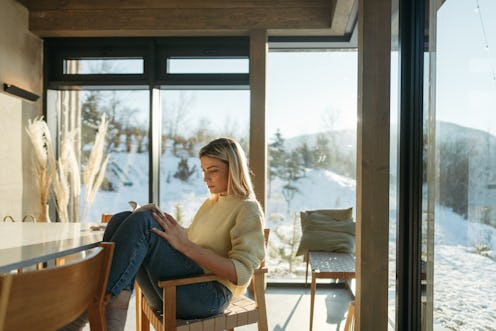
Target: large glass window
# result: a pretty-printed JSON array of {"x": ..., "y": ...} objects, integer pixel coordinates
[
  {"x": 102, "y": 186},
  {"x": 102, "y": 66},
  {"x": 311, "y": 133},
  {"x": 465, "y": 214},
  {"x": 118, "y": 78},
  {"x": 190, "y": 119}
]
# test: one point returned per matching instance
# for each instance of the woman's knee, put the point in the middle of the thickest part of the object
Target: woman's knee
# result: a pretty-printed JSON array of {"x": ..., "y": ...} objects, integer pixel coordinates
[{"x": 114, "y": 223}]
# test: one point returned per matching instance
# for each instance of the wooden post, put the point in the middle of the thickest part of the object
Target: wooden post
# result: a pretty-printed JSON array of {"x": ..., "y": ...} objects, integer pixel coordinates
[
  {"x": 258, "y": 93},
  {"x": 374, "y": 54}
]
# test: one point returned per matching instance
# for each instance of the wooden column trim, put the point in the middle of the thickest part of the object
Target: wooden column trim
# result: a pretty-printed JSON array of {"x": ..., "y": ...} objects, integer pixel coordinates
[
  {"x": 258, "y": 96},
  {"x": 374, "y": 56}
]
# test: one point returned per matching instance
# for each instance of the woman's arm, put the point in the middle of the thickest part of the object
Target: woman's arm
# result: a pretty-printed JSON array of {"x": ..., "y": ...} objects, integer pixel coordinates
[{"x": 177, "y": 238}]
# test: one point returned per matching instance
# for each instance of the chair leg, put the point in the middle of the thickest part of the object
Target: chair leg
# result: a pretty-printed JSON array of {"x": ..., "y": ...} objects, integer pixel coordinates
[
  {"x": 259, "y": 292},
  {"x": 350, "y": 317},
  {"x": 142, "y": 320},
  {"x": 312, "y": 299},
  {"x": 306, "y": 274},
  {"x": 137, "y": 292}
]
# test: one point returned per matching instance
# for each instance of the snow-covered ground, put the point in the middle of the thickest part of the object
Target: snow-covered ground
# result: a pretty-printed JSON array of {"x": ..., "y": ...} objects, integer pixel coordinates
[{"x": 464, "y": 277}]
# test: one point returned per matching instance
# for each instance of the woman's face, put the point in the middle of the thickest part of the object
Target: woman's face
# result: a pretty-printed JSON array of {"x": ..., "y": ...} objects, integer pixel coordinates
[{"x": 215, "y": 174}]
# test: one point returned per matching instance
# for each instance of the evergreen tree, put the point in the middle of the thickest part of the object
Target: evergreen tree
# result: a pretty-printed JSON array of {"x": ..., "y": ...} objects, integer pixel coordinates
[
  {"x": 293, "y": 170},
  {"x": 91, "y": 116},
  {"x": 307, "y": 155},
  {"x": 322, "y": 152},
  {"x": 277, "y": 158}
]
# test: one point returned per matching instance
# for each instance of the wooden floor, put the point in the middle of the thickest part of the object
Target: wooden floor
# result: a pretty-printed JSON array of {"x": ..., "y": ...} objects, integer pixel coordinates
[{"x": 288, "y": 309}]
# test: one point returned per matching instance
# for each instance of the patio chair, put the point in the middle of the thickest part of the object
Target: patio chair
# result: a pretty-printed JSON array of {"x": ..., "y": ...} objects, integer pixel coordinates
[
  {"x": 327, "y": 243},
  {"x": 241, "y": 311},
  {"x": 50, "y": 298}
]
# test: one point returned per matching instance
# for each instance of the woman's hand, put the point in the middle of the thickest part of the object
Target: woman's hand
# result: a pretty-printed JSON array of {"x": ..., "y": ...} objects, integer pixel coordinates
[
  {"x": 177, "y": 238},
  {"x": 171, "y": 230}
]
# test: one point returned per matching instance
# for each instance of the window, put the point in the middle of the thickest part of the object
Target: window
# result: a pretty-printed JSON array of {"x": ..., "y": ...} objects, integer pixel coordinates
[
  {"x": 205, "y": 94},
  {"x": 465, "y": 211},
  {"x": 79, "y": 115},
  {"x": 100, "y": 66},
  {"x": 207, "y": 66},
  {"x": 311, "y": 162}
]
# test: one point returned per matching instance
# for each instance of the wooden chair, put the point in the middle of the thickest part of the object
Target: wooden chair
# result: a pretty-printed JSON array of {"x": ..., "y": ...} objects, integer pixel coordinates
[
  {"x": 241, "y": 311},
  {"x": 48, "y": 299},
  {"x": 350, "y": 317}
]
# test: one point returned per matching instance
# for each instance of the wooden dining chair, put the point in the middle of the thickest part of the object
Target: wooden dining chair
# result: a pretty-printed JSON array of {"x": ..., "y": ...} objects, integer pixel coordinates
[
  {"x": 241, "y": 311},
  {"x": 48, "y": 299}
]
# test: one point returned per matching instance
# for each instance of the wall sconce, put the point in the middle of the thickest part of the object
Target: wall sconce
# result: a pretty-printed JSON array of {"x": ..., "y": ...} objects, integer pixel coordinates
[{"x": 17, "y": 91}]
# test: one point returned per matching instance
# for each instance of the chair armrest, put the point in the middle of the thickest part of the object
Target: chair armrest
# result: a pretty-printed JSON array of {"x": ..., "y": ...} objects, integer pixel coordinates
[
  {"x": 261, "y": 271},
  {"x": 188, "y": 280},
  {"x": 198, "y": 279}
]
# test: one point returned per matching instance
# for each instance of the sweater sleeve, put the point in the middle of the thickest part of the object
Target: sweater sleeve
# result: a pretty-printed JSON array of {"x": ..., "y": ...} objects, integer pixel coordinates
[{"x": 248, "y": 243}]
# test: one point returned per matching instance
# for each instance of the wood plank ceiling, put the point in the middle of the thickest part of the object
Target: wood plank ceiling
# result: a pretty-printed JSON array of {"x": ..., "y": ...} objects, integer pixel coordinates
[{"x": 77, "y": 18}]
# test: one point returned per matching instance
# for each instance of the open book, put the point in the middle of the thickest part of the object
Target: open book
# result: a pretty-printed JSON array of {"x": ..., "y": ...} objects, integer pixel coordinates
[{"x": 149, "y": 206}]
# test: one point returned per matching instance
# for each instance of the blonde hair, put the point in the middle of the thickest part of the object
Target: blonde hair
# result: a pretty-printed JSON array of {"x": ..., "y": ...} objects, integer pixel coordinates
[{"x": 229, "y": 151}]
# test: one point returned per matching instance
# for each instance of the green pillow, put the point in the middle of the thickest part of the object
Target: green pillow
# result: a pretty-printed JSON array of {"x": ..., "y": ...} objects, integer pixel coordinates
[{"x": 330, "y": 230}]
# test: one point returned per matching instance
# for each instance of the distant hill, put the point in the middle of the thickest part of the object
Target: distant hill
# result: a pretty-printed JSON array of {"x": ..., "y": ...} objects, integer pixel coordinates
[{"x": 466, "y": 160}]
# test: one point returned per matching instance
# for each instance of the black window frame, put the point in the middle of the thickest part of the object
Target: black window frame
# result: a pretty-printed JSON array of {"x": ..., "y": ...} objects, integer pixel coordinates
[{"x": 154, "y": 51}]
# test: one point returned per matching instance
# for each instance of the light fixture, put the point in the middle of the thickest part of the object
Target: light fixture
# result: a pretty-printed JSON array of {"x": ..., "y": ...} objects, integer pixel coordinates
[{"x": 17, "y": 91}]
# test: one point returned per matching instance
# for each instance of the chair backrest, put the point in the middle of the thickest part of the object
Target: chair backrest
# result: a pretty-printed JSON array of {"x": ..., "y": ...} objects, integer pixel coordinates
[
  {"x": 106, "y": 218},
  {"x": 48, "y": 299}
]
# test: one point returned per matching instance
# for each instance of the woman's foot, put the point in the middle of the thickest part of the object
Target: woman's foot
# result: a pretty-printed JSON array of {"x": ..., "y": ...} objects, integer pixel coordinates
[
  {"x": 77, "y": 325},
  {"x": 116, "y": 312}
]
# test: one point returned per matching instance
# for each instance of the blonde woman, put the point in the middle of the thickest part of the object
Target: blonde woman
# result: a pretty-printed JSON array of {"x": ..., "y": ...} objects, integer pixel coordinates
[{"x": 225, "y": 238}]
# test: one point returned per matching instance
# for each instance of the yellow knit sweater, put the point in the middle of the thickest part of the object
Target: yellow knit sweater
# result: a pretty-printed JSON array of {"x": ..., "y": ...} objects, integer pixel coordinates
[{"x": 231, "y": 227}]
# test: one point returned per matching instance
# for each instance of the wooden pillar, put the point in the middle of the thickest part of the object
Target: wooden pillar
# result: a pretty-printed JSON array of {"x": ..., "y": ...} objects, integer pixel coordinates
[
  {"x": 258, "y": 95},
  {"x": 374, "y": 54}
]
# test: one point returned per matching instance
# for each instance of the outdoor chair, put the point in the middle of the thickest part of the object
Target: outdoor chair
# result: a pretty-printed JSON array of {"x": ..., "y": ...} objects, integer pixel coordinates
[{"x": 327, "y": 245}]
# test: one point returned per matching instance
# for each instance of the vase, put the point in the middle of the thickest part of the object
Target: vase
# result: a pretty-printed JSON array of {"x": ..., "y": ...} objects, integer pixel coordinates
[{"x": 44, "y": 215}]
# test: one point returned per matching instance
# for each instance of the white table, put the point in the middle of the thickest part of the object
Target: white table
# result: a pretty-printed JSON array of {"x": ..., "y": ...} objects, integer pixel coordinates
[{"x": 26, "y": 244}]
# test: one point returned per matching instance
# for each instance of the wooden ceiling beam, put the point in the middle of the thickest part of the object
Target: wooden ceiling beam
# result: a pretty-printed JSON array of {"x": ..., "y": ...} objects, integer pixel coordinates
[
  {"x": 56, "y": 18},
  {"x": 40, "y": 5}
]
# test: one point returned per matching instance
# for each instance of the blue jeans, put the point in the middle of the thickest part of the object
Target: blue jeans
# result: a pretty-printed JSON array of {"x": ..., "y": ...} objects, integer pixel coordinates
[{"x": 143, "y": 255}]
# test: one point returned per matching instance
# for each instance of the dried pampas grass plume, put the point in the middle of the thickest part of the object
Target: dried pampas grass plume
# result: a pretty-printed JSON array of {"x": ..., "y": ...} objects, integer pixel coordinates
[
  {"x": 44, "y": 161},
  {"x": 95, "y": 169},
  {"x": 66, "y": 177}
]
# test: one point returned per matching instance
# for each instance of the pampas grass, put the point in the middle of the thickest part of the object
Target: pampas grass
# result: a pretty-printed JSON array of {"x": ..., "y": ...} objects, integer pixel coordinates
[
  {"x": 94, "y": 172},
  {"x": 44, "y": 161},
  {"x": 62, "y": 176},
  {"x": 67, "y": 178}
]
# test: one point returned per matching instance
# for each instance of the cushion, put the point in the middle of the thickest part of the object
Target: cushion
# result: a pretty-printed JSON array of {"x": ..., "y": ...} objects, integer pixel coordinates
[{"x": 330, "y": 230}]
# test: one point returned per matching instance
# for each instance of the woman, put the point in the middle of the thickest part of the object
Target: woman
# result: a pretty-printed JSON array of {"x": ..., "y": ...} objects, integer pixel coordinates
[{"x": 225, "y": 238}]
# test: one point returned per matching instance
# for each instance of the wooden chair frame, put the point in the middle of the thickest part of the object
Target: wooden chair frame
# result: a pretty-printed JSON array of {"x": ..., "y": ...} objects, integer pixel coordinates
[
  {"x": 50, "y": 298},
  {"x": 241, "y": 311},
  {"x": 350, "y": 317}
]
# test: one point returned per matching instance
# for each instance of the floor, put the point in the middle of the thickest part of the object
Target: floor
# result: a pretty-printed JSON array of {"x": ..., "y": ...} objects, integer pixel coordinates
[{"x": 289, "y": 309}]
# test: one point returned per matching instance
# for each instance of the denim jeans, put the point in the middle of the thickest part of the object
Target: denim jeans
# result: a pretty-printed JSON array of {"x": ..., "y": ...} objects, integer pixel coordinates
[{"x": 143, "y": 255}]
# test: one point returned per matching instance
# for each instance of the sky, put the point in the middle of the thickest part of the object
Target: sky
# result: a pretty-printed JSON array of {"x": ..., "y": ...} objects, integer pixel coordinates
[{"x": 466, "y": 63}]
